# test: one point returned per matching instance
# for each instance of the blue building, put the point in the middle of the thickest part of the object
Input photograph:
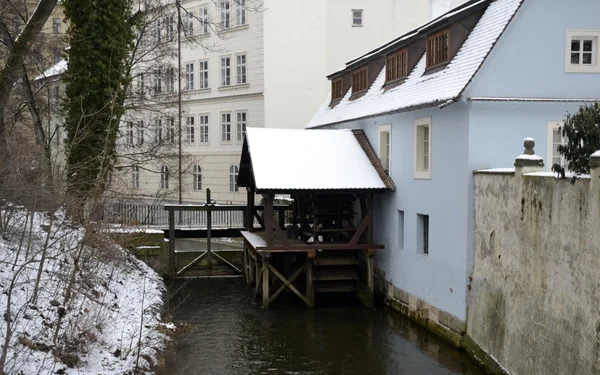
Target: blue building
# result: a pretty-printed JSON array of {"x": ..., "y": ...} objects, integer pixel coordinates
[{"x": 450, "y": 97}]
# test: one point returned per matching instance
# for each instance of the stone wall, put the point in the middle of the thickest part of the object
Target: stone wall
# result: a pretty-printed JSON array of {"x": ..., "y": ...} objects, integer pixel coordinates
[{"x": 534, "y": 302}]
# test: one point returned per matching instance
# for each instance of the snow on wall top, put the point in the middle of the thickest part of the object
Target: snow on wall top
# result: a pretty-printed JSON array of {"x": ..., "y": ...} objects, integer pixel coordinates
[
  {"x": 421, "y": 90},
  {"x": 310, "y": 160},
  {"x": 56, "y": 69}
]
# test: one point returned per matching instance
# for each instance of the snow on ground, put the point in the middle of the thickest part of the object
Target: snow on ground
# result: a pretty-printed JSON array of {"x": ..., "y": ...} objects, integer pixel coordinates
[{"x": 101, "y": 317}]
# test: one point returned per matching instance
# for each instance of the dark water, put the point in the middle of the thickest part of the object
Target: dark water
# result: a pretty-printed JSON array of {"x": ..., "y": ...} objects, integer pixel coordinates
[{"x": 231, "y": 334}]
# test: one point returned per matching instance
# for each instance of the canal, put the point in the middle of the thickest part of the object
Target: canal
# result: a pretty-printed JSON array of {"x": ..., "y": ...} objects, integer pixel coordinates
[{"x": 229, "y": 333}]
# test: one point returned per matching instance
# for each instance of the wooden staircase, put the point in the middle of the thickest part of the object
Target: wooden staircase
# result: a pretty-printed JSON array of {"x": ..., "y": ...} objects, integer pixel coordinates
[{"x": 335, "y": 272}]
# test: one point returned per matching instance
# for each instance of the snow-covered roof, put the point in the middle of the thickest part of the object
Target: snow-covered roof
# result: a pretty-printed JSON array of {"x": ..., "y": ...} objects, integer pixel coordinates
[
  {"x": 419, "y": 90},
  {"x": 297, "y": 159},
  {"x": 56, "y": 69}
]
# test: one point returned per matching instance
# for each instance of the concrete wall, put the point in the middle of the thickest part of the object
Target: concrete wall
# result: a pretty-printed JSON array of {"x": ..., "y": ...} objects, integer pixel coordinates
[{"x": 534, "y": 296}]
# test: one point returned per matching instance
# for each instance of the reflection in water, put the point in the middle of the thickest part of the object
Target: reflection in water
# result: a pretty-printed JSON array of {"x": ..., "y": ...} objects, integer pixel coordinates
[{"x": 232, "y": 334}]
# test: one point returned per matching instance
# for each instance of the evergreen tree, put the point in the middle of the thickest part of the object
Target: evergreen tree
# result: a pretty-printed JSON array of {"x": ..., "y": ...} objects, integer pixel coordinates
[
  {"x": 101, "y": 36},
  {"x": 582, "y": 131}
]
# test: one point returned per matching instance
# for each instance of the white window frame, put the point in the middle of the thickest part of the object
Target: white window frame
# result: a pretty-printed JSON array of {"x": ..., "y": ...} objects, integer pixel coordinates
[
  {"x": 422, "y": 174},
  {"x": 226, "y": 128},
  {"x": 225, "y": 71},
  {"x": 203, "y": 17},
  {"x": 241, "y": 123},
  {"x": 135, "y": 177},
  {"x": 189, "y": 76},
  {"x": 240, "y": 11},
  {"x": 234, "y": 170},
  {"x": 359, "y": 18},
  {"x": 203, "y": 74},
  {"x": 190, "y": 129},
  {"x": 241, "y": 68},
  {"x": 383, "y": 129},
  {"x": 225, "y": 9},
  {"x": 204, "y": 129},
  {"x": 551, "y": 128},
  {"x": 197, "y": 178},
  {"x": 593, "y": 35},
  {"x": 56, "y": 23}
]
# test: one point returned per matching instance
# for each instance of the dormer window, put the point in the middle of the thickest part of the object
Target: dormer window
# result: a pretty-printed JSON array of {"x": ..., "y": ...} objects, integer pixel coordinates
[
  {"x": 396, "y": 66},
  {"x": 438, "y": 49},
  {"x": 360, "y": 80},
  {"x": 336, "y": 89}
]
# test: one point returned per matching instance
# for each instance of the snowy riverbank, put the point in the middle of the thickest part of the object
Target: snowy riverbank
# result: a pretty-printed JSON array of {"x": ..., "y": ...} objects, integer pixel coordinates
[{"x": 90, "y": 309}]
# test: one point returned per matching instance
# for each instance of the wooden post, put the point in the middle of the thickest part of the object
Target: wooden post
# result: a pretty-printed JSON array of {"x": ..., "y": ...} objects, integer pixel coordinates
[
  {"x": 265, "y": 281},
  {"x": 370, "y": 283},
  {"x": 310, "y": 288},
  {"x": 208, "y": 227},
  {"x": 281, "y": 217},
  {"x": 245, "y": 262},
  {"x": 172, "y": 266},
  {"x": 371, "y": 213},
  {"x": 250, "y": 210},
  {"x": 268, "y": 217}
]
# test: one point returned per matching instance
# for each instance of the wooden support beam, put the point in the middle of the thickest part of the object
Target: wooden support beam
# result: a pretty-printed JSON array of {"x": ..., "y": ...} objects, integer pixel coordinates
[
  {"x": 258, "y": 279},
  {"x": 245, "y": 262},
  {"x": 265, "y": 282},
  {"x": 226, "y": 262},
  {"x": 371, "y": 214},
  {"x": 287, "y": 283},
  {"x": 370, "y": 283},
  {"x": 172, "y": 271},
  {"x": 290, "y": 280},
  {"x": 259, "y": 219},
  {"x": 310, "y": 287},
  {"x": 361, "y": 229},
  {"x": 269, "y": 219},
  {"x": 192, "y": 263}
]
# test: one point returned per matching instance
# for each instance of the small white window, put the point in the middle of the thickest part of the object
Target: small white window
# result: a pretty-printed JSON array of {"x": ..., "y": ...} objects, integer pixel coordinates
[
  {"x": 189, "y": 76},
  {"x": 203, "y": 120},
  {"x": 422, "y": 148},
  {"x": 423, "y": 234},
  {"x": 135, "y": 177},
  {"x": 225, "y": 71},
  {"x": 357, "y": 17},
  {"x": 203, "y": 72},
  {"x": 164, "y": 177},
  {"x": 140, "y": 132},
  {"x": 241, "y": 12},
  {"x": 241, "y": 69},
  {"x": 233, "y": 172},
  {"x": 240, "y": 122},
  {"x": 197, "y": 178},
  {"x": 582, "y": 51},
  {"x": 56, "y": 22},
  {"x": 225, "y": 14},
  {"x": 225, "y": 127},
  {"x": 190, "y": 129},
  {"x": 553, "y": 140},
  {"x": 385, "y": 147},
  {"x": 204, "y": 21}
]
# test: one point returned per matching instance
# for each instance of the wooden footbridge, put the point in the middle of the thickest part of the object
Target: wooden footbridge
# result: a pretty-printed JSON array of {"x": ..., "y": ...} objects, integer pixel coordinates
[{"x": 323, "y": 241}]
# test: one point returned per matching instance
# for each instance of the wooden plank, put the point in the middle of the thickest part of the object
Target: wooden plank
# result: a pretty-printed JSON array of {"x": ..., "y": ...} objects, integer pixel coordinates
[
  {"x": 291, "y": 280},
  {"x": 245, "y": 262},
  {"x": 226, "y": 262},
  {"x": 320, "y": 246},
  {"x": 192, "y": 263},
  {"x": 265, "y": 282},
  {"x": 310, "y": 287},
  {"x": 361, "y": 229},
  {"x": 258, "y": 281},
  {"x": 172, "y": 266},
  {"x": 259, "y": 219},
  {"x": 371, "y": 214},
  {"x": 288, "y": 284},
  {"x": 335, "y": 287}
]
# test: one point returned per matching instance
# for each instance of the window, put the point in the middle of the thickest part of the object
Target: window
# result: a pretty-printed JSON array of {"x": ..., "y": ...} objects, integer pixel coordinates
[
  {"x": 438, "y": 49},
  {"x": 423, "y": 148},
  {"x": 156, "y": 74},
  {"x": 423, "y": 234},
  {"x": 140, "y": 132},
  {"x": 336, "y": 89},
  {"x": 170, "y": 78},
  {"x": 241, "y": 12},
  {"x": 56, "y": 22},
  {"x": 189, "y": 25},
  {"x": 203, "y": 70},
  {"x": 582, "y": 52},
  {"x": 170, "y": 135},
  {"x": 197, "y": 178},
  {"x": 189, "y": 76},
  {"x": 157, "y": 31},
  {"x": 129, "y": 133},
  {"x": 225, "y": 127},
  {"x": 233, "y": 172},
  {"x": 385, "y": 147},
  {"x": 203, "y": 17},
  {"x": 396, "y": 66},
  {"x": 359, "y": 80},
  {"x": 555, "y": 139},
  {"x": 164, "y": 177},
  {"x": 241, "y": 69},
  {"x": 203, "y": 120},
  {"x": 190, "y": 129},
  {"x": 225, "y": 14},
  {"x": 240, "y": 123},
  {"x": 140, "y": 84},
  {"x": 400, "y": 229},
  {"x": 357, "y": 17},
  {"x": 170, "y": 27},
  {"x": 135, "y": 177},
  {"x": 158, "y": 130},
  {"x": 225, "y": 71},
  {"x": 57, "y": 55}
]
